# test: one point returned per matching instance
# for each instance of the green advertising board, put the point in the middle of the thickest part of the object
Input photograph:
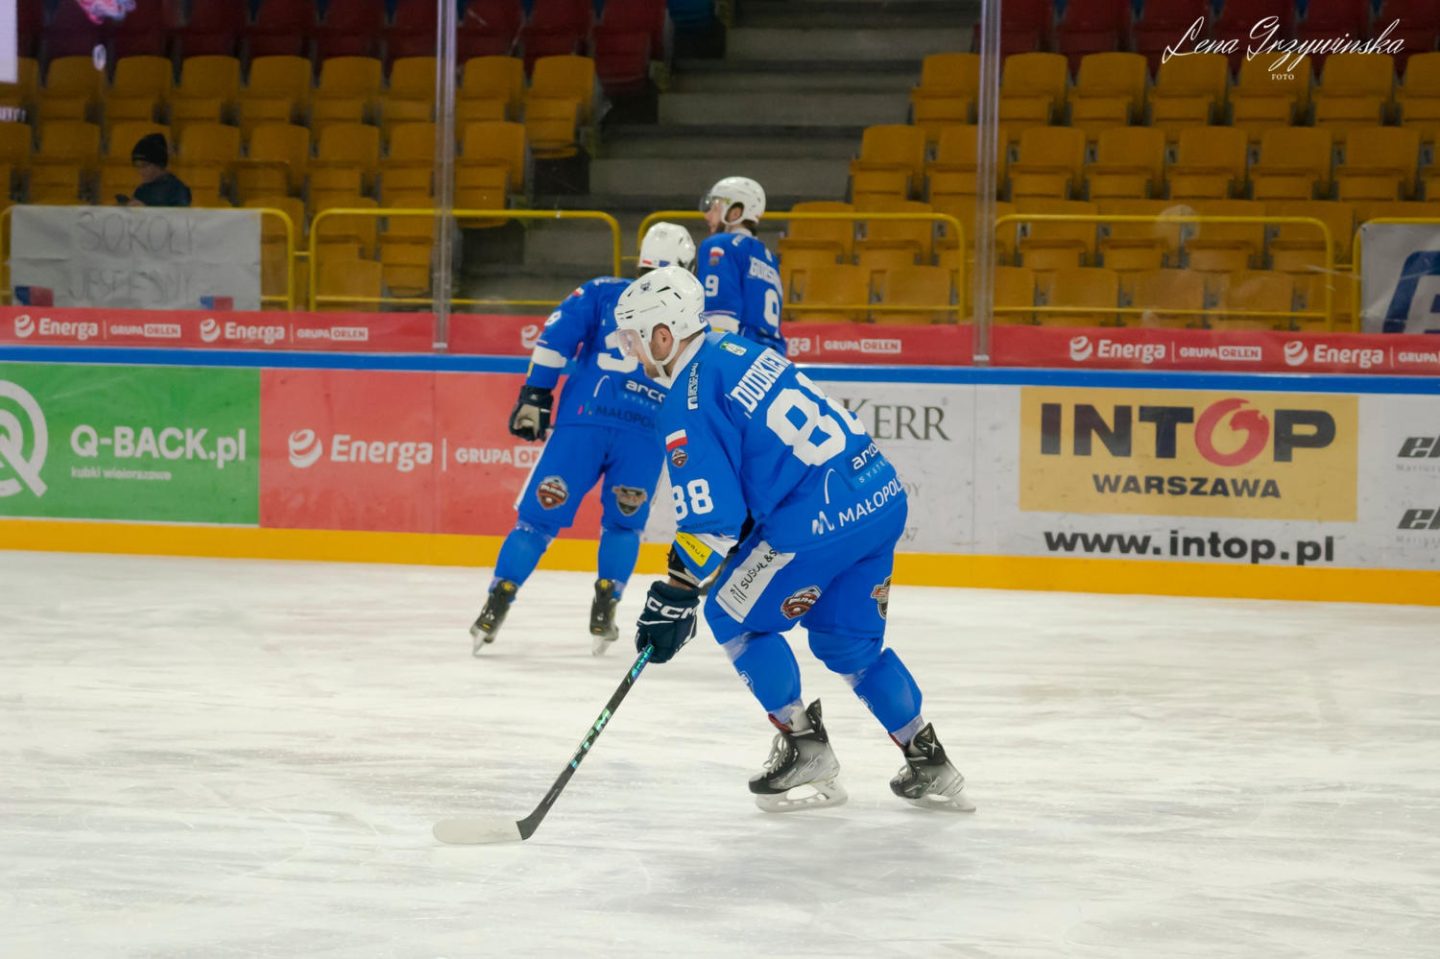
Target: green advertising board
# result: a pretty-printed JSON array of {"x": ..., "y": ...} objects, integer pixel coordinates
[{"x": 140, "y": 443}]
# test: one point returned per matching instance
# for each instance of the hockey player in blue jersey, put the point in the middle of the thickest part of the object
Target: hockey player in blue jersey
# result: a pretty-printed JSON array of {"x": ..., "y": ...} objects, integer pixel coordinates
[
  {"x": 741, "y": 278},
  {"x": 790, "y": 513},
  {"x": 605, "y": 429}
]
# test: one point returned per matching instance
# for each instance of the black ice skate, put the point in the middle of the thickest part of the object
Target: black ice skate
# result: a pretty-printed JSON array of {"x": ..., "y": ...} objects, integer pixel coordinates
[
  {"x": 801, "y": 770},
  {"x": 487, "y": 624},
  {"x": 928, "y": 780},
  {"x": 602, "y": 616}
]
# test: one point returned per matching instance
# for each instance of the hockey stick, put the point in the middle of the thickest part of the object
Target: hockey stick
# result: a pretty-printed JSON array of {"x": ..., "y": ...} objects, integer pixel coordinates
[{"x": 474, "y": 830}]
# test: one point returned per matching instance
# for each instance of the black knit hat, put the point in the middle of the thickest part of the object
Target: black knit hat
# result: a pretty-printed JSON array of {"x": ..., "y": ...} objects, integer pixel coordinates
[{"x": 151, "y": 148}]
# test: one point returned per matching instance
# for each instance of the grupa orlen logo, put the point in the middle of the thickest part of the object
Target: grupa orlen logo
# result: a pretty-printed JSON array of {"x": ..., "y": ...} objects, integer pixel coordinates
[
  {"x": 1296, "y": 353},
  {"x": 305, "y": 449},
  {"x": 24, "y": 326},
  {"x": 19, "y": 469},
  {"x": 209, "y": 330},
  {"x": 1081, "y": 349}
]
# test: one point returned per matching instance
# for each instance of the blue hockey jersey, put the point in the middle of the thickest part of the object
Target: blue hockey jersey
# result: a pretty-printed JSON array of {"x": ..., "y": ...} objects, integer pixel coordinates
[
  {"x": 742, "y": 282},
  {"x": 747, "y": 433},
  {"x": 606, "y": 387}
]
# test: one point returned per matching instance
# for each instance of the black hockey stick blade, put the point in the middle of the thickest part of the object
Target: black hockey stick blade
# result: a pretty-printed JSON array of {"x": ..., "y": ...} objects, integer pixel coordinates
[{"x": 486, "y": 830}]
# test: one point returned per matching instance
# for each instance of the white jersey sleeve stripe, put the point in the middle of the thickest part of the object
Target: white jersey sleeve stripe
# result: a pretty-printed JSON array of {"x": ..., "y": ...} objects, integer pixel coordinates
[{"x": 544, "y": 356}]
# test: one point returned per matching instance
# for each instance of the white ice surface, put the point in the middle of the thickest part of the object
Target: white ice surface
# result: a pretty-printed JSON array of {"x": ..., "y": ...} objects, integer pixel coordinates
[{"x": 237, "y": 759}]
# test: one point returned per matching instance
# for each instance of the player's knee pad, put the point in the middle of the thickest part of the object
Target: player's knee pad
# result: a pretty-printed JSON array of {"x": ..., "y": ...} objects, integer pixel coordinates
[{"x": 846, "y": 655}]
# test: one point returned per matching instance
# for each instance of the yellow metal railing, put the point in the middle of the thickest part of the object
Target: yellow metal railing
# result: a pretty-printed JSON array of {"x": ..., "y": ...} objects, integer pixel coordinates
[
  {"x": 1328, "y": 315},
  {"x": 1357, "y": 251},
  {"x": 287, "y": 300},
  {"x": 945, "y": 218},
  {"x": 314, "y": 247}
]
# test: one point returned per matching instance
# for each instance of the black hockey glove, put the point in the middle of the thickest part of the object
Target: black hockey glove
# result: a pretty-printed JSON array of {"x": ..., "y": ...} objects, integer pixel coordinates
[
  {"x": 668, "y": 621},
  {"x": 531, "y": 419}
]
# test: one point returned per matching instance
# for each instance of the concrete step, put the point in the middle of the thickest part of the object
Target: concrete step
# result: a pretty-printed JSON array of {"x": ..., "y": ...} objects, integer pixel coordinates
[
  {"x": 750, "y": 143},
  {"x": 843, "y": 45},
  {"x": 796, "y": 109},
  {"x": 684, "y": 180},
  {"x": 767, "y": 77}
]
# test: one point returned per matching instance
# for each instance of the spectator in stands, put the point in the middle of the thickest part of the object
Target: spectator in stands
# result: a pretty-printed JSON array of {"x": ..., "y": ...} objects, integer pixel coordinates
[{"x": 158, "y": 186}]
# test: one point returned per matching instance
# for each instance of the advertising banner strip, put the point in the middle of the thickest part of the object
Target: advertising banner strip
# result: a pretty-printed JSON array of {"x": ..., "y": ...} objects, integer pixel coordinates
[{"x": 129, "y": 443}]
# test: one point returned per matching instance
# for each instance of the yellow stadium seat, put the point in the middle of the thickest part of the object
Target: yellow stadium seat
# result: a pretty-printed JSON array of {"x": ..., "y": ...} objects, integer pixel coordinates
[
  {"x": 72, "y": 90},
  {"x": 891, "y": 161},
  {"x": 835, "y": 236},
  {"x": 360, "y": 282},
  {"x": 406, "y": 269},
  {"x": 1129, "y": 260},
  {"x": 1033, "y": 89},
  {"x": 877, "y": 261},
  {"x": 949, "y": 83},
  {"x": 1260, "y": 100},
  {"x": 1419, "y": 99},
  {"x": 1210, "y": 163},
  {"x": 1129, "y": 163},
  {"x": 917, "y": 234},
  {"x": 1047, "y": 238},
  {"x": 1310, "y": 297},
  {"x": 1095, "y": 288},
  {"x": 1293, "y": 244},
  {"x": 409, "y": 166},
  {"x": 496, "y": 144},
  {"x": 209, "y": 87},
  {"x": 962, "y": 208},
  {"x": 915, "y": 286},
  {"x": 20, "y": 95},
  {"x": 1159, "y": 291},
  {"x": 481, "y": 110},
  {"x": 140, "y": 90},
  {"x": 955, "y": 169},
  {"x": 69, "y": 143},
  {"x": 348, "y": 228},
  {"x": 17, "y": 143},
  {"x": 1294, "y": 164},
  {"x": 1049, "y": 162},
  {"x": 494, "y": 77},
  {"x": 796, "y": 264},
  {"x": 1356, "y": 89},
  {"x": 278, "y": 92},
  {"x": 1109, "y": 91},
  {"x": 212, "y": 146},
  {"x": 1162, "y": 237},
  {"x": 1014, "y": 295},
  {"x": 1407, "y": 209},
  {"x": 348, "y": 147},
  {"x": 550, "y": 126},
  {"x": 272, "y": 227},
  {"x": 566, "y": 77},
  {"x": 1189, "y": 91},
  {"x": 832, "y": 294},
  {"x": 411, "y": 97},
  {"x": 350, "y": 77},
  {"x": 1247, "y": 238},
  {"x": 1380, "y": 164},
  {"x": 1249, "y": 291},
  {"x": 276, "y": 161}
]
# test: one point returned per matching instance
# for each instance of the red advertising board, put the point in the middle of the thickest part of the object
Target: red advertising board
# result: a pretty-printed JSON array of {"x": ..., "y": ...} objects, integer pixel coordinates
[{"x": 391, "y": 451}]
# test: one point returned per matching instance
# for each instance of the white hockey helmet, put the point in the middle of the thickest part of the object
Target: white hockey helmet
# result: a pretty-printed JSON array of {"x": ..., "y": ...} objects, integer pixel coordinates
[
  {"x": 667, "y": 244},
  {"x": 737, "y": 189},
  {"x": 669, "y": 297}
]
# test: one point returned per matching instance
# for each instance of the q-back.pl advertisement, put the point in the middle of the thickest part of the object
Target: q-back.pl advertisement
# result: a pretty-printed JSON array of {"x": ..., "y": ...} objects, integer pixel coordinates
[{"x": 152, "y": 444}]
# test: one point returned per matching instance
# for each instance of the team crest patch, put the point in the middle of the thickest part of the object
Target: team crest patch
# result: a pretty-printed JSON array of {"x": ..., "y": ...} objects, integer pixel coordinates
[
  {"x": 881, "y": 595},
  {"x": 799, "y": 603},
  {"x": 629, "y": 498},
  {"x": 716, "y": 255},
  {"x": 675, "y": 445},
  {"x": 678, "y": 457},
  {"x": 553, "y": 492}
]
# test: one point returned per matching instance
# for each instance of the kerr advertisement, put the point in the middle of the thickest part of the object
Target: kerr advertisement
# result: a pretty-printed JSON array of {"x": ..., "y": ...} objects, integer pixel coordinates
[{"x": 129, "y": 443}]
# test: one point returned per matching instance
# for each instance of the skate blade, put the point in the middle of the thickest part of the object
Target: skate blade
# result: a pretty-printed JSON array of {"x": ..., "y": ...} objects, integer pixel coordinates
[
  {"x": 956, "y": 803},
  {"x": 600, "y": 643},
  {"x": 479, "y": 639},
  {"x": 816, "y": 795}
]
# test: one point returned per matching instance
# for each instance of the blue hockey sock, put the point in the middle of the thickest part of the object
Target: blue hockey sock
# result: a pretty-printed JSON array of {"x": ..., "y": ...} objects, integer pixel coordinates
[
  {"x": 767, "y": 665},
  {"x": 520, "y": 553},
  {"x": 619, "y": 549},
  {"x": 889, "y": 691}
]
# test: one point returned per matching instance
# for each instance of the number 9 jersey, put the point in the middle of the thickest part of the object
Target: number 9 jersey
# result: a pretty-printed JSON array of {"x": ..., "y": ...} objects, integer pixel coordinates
[
  {"x": 747, "y": 434},
  {"x": 742, "y": 288},
  {"x": 606, "y": 388}
]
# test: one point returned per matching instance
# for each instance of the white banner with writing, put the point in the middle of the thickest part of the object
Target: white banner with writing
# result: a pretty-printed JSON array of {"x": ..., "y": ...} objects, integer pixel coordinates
[
  {"x": 119, "y": 257},
  {"x": 1400, "y": 277}
]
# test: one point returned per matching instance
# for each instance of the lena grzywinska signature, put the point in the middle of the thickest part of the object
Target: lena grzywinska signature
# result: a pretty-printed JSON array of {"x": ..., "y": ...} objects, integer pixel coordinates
[{"x": 1287, "y": 53}]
